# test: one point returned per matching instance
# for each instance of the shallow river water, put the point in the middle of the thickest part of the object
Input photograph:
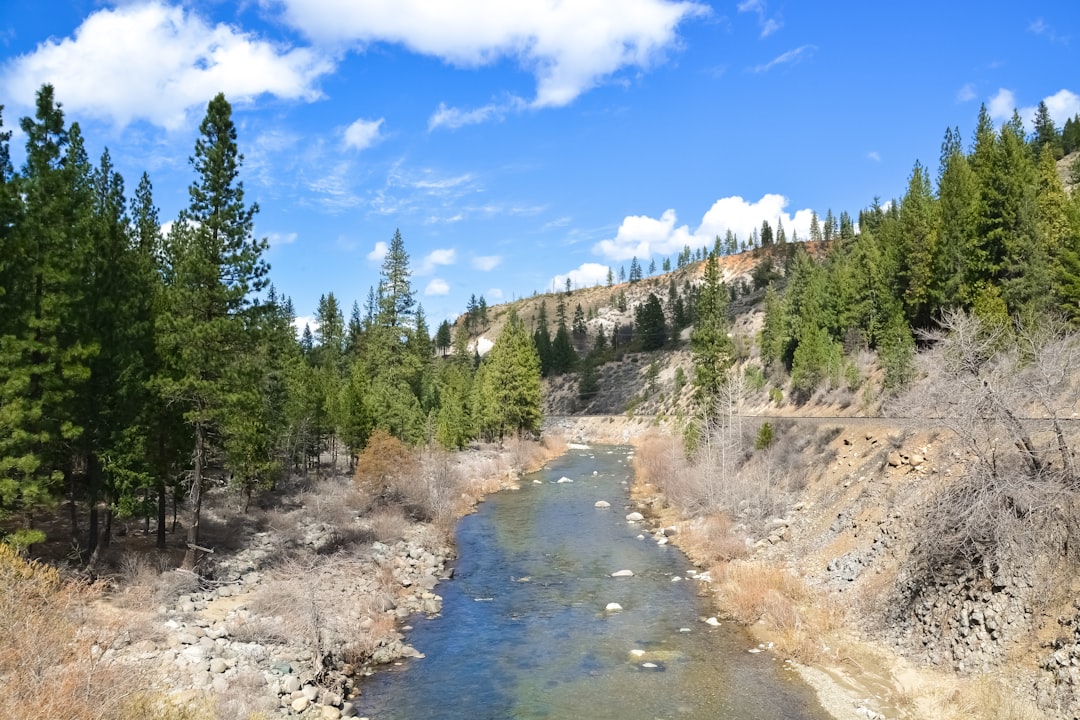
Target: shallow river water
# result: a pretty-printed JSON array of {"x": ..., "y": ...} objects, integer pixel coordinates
[{"x": 523, "y": 632}]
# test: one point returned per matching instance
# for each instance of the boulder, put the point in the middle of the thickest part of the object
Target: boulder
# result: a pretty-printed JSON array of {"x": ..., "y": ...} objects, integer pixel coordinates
[
  {"x": 613, "y": 607},
  {"x": 602, "y": 504},
  {"x": 300, "y": 704},
  {"x": 622, "y": 573},
  {"x": 635, "y": 517}
]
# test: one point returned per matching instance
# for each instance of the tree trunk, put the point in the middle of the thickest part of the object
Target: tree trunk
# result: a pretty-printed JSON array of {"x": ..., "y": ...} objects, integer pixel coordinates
[
  {"x": 73, "y": 512},
  {"x": 93, "y": 483},
  {"x": 160, "y": 515},
  {"x": 191, "y": 556}
]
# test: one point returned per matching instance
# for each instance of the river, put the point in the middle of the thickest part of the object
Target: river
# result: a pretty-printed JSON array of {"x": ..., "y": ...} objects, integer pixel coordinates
[{"x": 524, "y": 633}]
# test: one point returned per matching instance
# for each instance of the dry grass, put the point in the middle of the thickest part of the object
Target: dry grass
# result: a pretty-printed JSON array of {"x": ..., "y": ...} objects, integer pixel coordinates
[
  {"x": 56, "y": 657},
  {"x": 801, "y": 625},
  {"x": 712, "y": 539},
  {"x": 744, "y": 586},
  {"x": 987, "y": 697}
]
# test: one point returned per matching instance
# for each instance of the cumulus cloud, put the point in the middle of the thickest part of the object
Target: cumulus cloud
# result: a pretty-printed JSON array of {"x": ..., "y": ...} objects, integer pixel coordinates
[
  {"x": 435, "y": 258},
  {"x": 1002, "y": 104},
  {"x": 299, "y": 322},
  {"x": 586, "y": 275},
  {"x": 568, "y": 46},
  {"x": 791, "y": 57},
  {"x": 362, "y": 134},
  {"x": 378, "y": 252},
  {"x": 437, "y": 286},
  {"x": 159, "y": 63},
  {"x": 486, "y": 263},
  {"x": 642, "y": 236},
  {"x": 1062, "y": 105}
]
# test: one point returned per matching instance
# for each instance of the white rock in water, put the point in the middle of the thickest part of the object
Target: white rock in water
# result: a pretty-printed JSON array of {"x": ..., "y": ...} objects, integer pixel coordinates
[
  {"x": 663, "y": 541},
  {"x": 640, "y": 537},
  {"x": 754, "y": 650},
  {"x": 712, "y": 621},
  {"x": 684, "y": 629},
  {"x": 623, "y": 573},
  {"x": 538, "y": 482},
  {"x": 648, "y": 665},
  {"x": 577, "y": 446},
  {"x": 613, "y": 607},
  {"x": 594, "y": 472},
  {"x": 602, "y": 504},
  {"x": 635, "y": 517},
  {"x": 563, "y": 479},
  {"x": 637, "y": 653}
]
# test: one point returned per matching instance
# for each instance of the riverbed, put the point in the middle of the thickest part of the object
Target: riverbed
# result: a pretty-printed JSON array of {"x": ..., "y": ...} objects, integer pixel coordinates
[{"x": 525, "y": 632}]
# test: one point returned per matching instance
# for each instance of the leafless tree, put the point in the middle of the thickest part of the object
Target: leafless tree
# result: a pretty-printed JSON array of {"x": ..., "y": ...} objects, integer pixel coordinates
[{"x": 1005, "y": 394}]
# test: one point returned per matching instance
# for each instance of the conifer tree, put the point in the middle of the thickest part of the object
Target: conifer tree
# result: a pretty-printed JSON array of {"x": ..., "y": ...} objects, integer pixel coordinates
[
  {"x": 510, "y": 383},
  {"x": 712, "y": 349},
  {"x": 214, "y": 270},
  {"x": 43, "y": 361}
]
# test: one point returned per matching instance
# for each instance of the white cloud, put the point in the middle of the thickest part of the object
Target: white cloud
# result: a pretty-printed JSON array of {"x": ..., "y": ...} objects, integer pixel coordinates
[
  {"x": 157, "y": 63},
  {"x": 435, "y": 258},
  {"x": 568, "y": 46},
  {"x": 1002, "y": 104},
  {"x": 873, "y": 155},
  {"x": 643, "y": 236},
  {"x": 486, "y": 263},
  {"x": 438, "y": 286},
  {"x": 966, "y": 93},
  {"x": 454, "y": 118},
  {"x": 1041, "y": 27},
  {"x": 791, "y": 56},
  {"x": 276, "y": 239},
  {"x": 587, "y": 275},
  {"x": 378, "y": 252},
  {"x": 769, "y": 27},
  {"x": 299, "y": 323},
  {"x": 1062, "y": 105},
  {"x": 362, "y": 134}
]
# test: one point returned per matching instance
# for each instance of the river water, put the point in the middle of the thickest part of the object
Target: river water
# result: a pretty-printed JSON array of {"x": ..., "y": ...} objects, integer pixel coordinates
[{"x": 524, "y": 633}]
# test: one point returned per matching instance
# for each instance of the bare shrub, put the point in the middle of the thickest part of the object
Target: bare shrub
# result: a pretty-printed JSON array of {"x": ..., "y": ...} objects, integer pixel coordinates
[
  {"x": 389, "y": 524},
  {"x": 247, "y": 698},
  {"x": 440, "y": 486},
  {"x": 1003, "y": 393},
  {"x": 554, "y": 443}
]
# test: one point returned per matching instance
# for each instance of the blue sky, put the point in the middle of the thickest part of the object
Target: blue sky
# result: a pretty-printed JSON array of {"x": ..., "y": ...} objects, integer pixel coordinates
[{"x": 518, "y": 142}]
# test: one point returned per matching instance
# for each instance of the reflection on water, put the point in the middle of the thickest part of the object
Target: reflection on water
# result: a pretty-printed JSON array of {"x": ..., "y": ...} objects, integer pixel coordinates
[{"x": 523, "y": 632}]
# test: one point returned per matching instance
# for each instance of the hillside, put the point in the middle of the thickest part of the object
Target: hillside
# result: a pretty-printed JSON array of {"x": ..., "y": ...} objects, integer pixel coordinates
[{"x": 848, "y": 500}]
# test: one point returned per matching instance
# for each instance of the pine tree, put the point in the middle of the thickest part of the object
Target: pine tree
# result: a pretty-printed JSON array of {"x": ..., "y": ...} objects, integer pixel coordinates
[
  {"x": 510, "y": 383},
  {"x": 579, "y": 328},
  {"x": 635, "y": 270},
  {"x": 651, "y": 324},
  {"x": 610, "y": 277},
  {"x": 43, "y": 361},
  {"x": 443, "y": 337},
  {"x": 1046, "y": 136},
  {"x": 396, "y": 296},
  {"x": 214, "y": 269},
  {"x": 918, "y": 230},
  {"x": 712, "y": 349},
  {"x": 959, "y": 259}
]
